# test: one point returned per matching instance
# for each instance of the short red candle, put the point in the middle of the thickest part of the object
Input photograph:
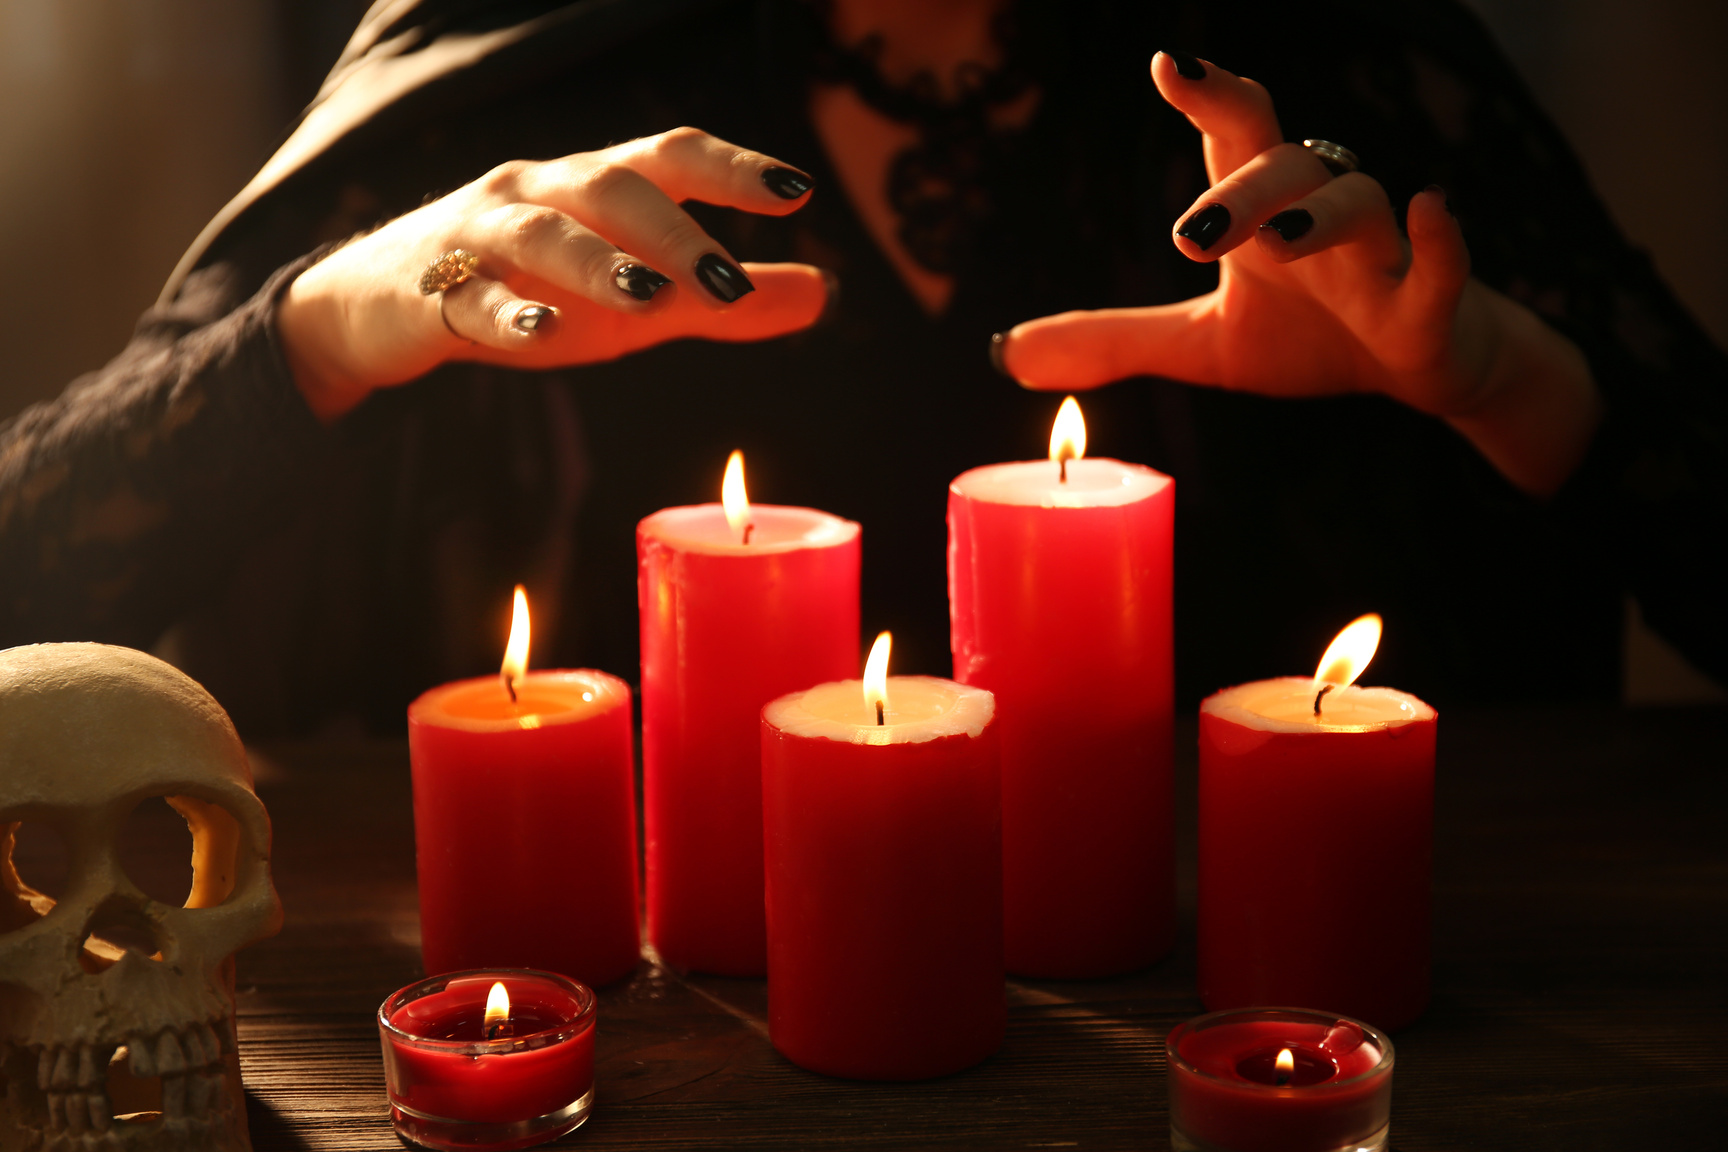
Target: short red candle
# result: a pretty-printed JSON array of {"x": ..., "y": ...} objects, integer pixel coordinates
[
  {"x": 1060, "y": 600},
  {"x": 1315, "y": 846},
  {"x": 451, "y": 1087},
  {"x": 884, "y": 875},
  {"x": 525, "y": 825},
  {"x": 727, "y": 627},
  {"x": 1226, "y": 1094}
]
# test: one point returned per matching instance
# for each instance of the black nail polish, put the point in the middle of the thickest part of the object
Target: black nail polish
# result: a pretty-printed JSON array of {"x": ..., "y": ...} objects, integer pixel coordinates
[
  {"x": 787, "y": 183},
  {"x": 998, "y": 348},
  {"x": 1187, "y": 66},
  {"x": 724, "y": 279},
  {"x": 1291, "y": 224},
  {"x": 1206, "y": 227},
  {"x": 1444, "y": 199},
  {"x": 531, "y": 317},
  {"x": 640, "y": 281}
]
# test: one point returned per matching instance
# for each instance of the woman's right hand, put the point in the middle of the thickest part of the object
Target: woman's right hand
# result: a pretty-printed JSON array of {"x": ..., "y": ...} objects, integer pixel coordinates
[{"x": 581, "y": 259}]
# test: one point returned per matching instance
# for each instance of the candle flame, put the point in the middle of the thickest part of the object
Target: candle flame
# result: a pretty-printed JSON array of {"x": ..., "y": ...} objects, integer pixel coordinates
[
  {"x": 1285, "y": 1065},
  {"x": 876, "y": 677},
  {"x": 1349, "y": 652},
  {"x": 1068, "y": 435},
  {"x": 733, "y": 497},
  {"x": 516, "y": 650},
  {"x": 497, "y": 1008}
]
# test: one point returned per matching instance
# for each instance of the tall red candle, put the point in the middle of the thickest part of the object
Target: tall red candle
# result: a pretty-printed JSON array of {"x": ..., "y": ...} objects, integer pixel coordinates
[
  {"x": 727, "y": 626},
  {"x": 1059, "y": 588},
  {"x": 883, "y": 853},
  {"x": 1315, "y": 846},
  {"x": 525, "y": 824}
]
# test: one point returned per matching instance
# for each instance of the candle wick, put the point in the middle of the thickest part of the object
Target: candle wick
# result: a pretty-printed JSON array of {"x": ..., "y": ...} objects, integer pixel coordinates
[
  {"x": 748, "y": 528},
  {"x": 879, "y": 716},
  {"x": 1062, "y": 466},
  {"x": 510, "y": 687},
  {"x": 1283, "y": 1078},
  {"x": 1320, "y": 696},
  {"x": 502, "y": 1030}
]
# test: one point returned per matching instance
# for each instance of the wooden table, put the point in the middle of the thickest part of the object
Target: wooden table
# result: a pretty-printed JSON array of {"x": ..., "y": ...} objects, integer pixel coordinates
[{"x": 1581, "y": 961}]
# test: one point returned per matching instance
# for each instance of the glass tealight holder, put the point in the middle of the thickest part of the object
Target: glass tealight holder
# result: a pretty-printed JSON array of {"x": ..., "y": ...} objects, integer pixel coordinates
[
  {"x": 458, "y": 1082},
  {"x": 1278, "y": 1080}
]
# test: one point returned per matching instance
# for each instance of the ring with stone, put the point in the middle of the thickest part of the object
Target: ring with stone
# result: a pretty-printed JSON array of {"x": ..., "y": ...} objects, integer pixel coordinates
[
  {"x": 448, "y": 270},
  {"x": 1337, "y": 158}
]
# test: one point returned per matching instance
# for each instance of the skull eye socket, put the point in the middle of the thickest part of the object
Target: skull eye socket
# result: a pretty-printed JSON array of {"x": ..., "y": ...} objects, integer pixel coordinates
[
  {"x": 155, "y": 849},
  {"x": 34, "y": 867}
]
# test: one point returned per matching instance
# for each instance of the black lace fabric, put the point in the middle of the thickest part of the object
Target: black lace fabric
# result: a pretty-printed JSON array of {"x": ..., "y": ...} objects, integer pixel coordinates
[{"x": 150, "y": 491}]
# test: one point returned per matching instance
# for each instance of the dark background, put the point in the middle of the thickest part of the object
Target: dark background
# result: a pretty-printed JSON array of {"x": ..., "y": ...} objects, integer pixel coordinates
[{"x": 125, "y": 124}]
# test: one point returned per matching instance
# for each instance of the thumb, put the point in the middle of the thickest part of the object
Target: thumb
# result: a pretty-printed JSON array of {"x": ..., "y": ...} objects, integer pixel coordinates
[{"x": 1075, "y": 351}]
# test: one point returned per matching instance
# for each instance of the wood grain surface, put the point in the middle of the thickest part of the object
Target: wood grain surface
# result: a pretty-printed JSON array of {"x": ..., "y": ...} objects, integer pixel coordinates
[{"x": 1581, "y": 964}]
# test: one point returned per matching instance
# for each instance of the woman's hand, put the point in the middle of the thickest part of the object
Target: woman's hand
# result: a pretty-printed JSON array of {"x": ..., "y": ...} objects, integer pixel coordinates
[
  {"x": 1319, "y": 292},
  {"x": 581, "y": 259}
]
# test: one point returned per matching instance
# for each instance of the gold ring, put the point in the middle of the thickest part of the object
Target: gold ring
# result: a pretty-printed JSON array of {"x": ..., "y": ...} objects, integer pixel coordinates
[
  {"x": 1337, "y": 158},
  {"x": 447, "y": 271}
]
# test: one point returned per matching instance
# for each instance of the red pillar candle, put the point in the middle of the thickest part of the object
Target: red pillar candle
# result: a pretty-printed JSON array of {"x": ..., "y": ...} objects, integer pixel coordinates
[
  {"x": 884, "y": 870},
  {"x": 728, "y": 625},
  {"x": 1059, "y": 590},
  {"x": 1278, "y": 1080},
  {"x": 1315, "y": 838},
  {"x": 525, "y": 821},
  {"x": 489, "y": 1059}
]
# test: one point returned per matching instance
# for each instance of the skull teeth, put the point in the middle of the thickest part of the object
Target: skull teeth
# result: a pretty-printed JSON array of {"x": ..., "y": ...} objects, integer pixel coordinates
[
  {"x": 206, "y": 1039},
  {"x": 174, "y": 1096},
  {"x": 139, "y": 1056},
  {"x": 65, "y": 1069},
  {"x": 97, "y": 1103},
  {"x": 88, "y": 1072},
  {"x": 170, "y": 1057}
]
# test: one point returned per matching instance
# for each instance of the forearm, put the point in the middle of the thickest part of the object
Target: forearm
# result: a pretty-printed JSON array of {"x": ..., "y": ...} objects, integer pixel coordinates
[
  {"x": 130, "y": 495},
  {"x": 1540, "y": 405}
]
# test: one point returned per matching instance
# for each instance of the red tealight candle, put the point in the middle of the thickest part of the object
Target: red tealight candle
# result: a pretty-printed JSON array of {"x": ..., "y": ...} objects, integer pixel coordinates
[
  {"x": 740, "y": 604},
  {"x": 1316, "y": 823},
  {"x": 488, "y": 1059},
  {"x": 1059, "y": 585},
  {"x": 525, "y": 820},
  {"x": 1278, "y": 1080},
  {"x": 881, "y": 806}
]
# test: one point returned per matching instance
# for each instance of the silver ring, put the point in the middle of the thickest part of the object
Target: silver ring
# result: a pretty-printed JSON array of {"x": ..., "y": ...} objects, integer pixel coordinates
[
  {"x": 448, "y": 270},
  {"x": 1337, "y": 158}
]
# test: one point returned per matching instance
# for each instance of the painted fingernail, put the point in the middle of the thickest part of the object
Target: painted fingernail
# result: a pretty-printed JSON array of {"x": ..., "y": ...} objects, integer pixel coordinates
[
  {"x": 724, "y": 279},
  {"x": 640, "y": 281},
  {"x": 1444, "y": 199},
  {"x": 532, "y": 316},
  {"x": 1187, "y": 66},
  {"x": 1291, "y": 224},
  {"x": 787, "y": 183},
  {"x": 999, "y": 349},
  {"x": 1206, "y": 227}
]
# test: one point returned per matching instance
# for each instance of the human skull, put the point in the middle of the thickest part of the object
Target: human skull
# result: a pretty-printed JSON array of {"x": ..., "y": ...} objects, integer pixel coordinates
[{"x": 87, "y": 732}]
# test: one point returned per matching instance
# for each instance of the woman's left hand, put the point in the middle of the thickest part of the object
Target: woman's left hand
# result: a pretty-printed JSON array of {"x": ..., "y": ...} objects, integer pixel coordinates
[{"x": 1319, "y": 293}]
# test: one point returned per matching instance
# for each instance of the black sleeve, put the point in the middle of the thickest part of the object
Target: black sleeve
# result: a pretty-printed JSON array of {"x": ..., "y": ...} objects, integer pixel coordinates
[{"x": 133, "y": 493}]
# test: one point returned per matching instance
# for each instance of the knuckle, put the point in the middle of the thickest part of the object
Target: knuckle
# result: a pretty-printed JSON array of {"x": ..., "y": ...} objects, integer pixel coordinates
[
  {"x": 528, "y": 224},
  {"x": 608, "y": 178},
  {"x": 505, "y": 177},
  {"x": 681, "y": 139}
]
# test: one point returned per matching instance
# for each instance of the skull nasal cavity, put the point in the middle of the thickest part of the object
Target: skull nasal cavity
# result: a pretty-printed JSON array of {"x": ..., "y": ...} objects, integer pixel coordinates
[
  {"x": 116, "y": 929},
  {"x": 155, "y": 849}
]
